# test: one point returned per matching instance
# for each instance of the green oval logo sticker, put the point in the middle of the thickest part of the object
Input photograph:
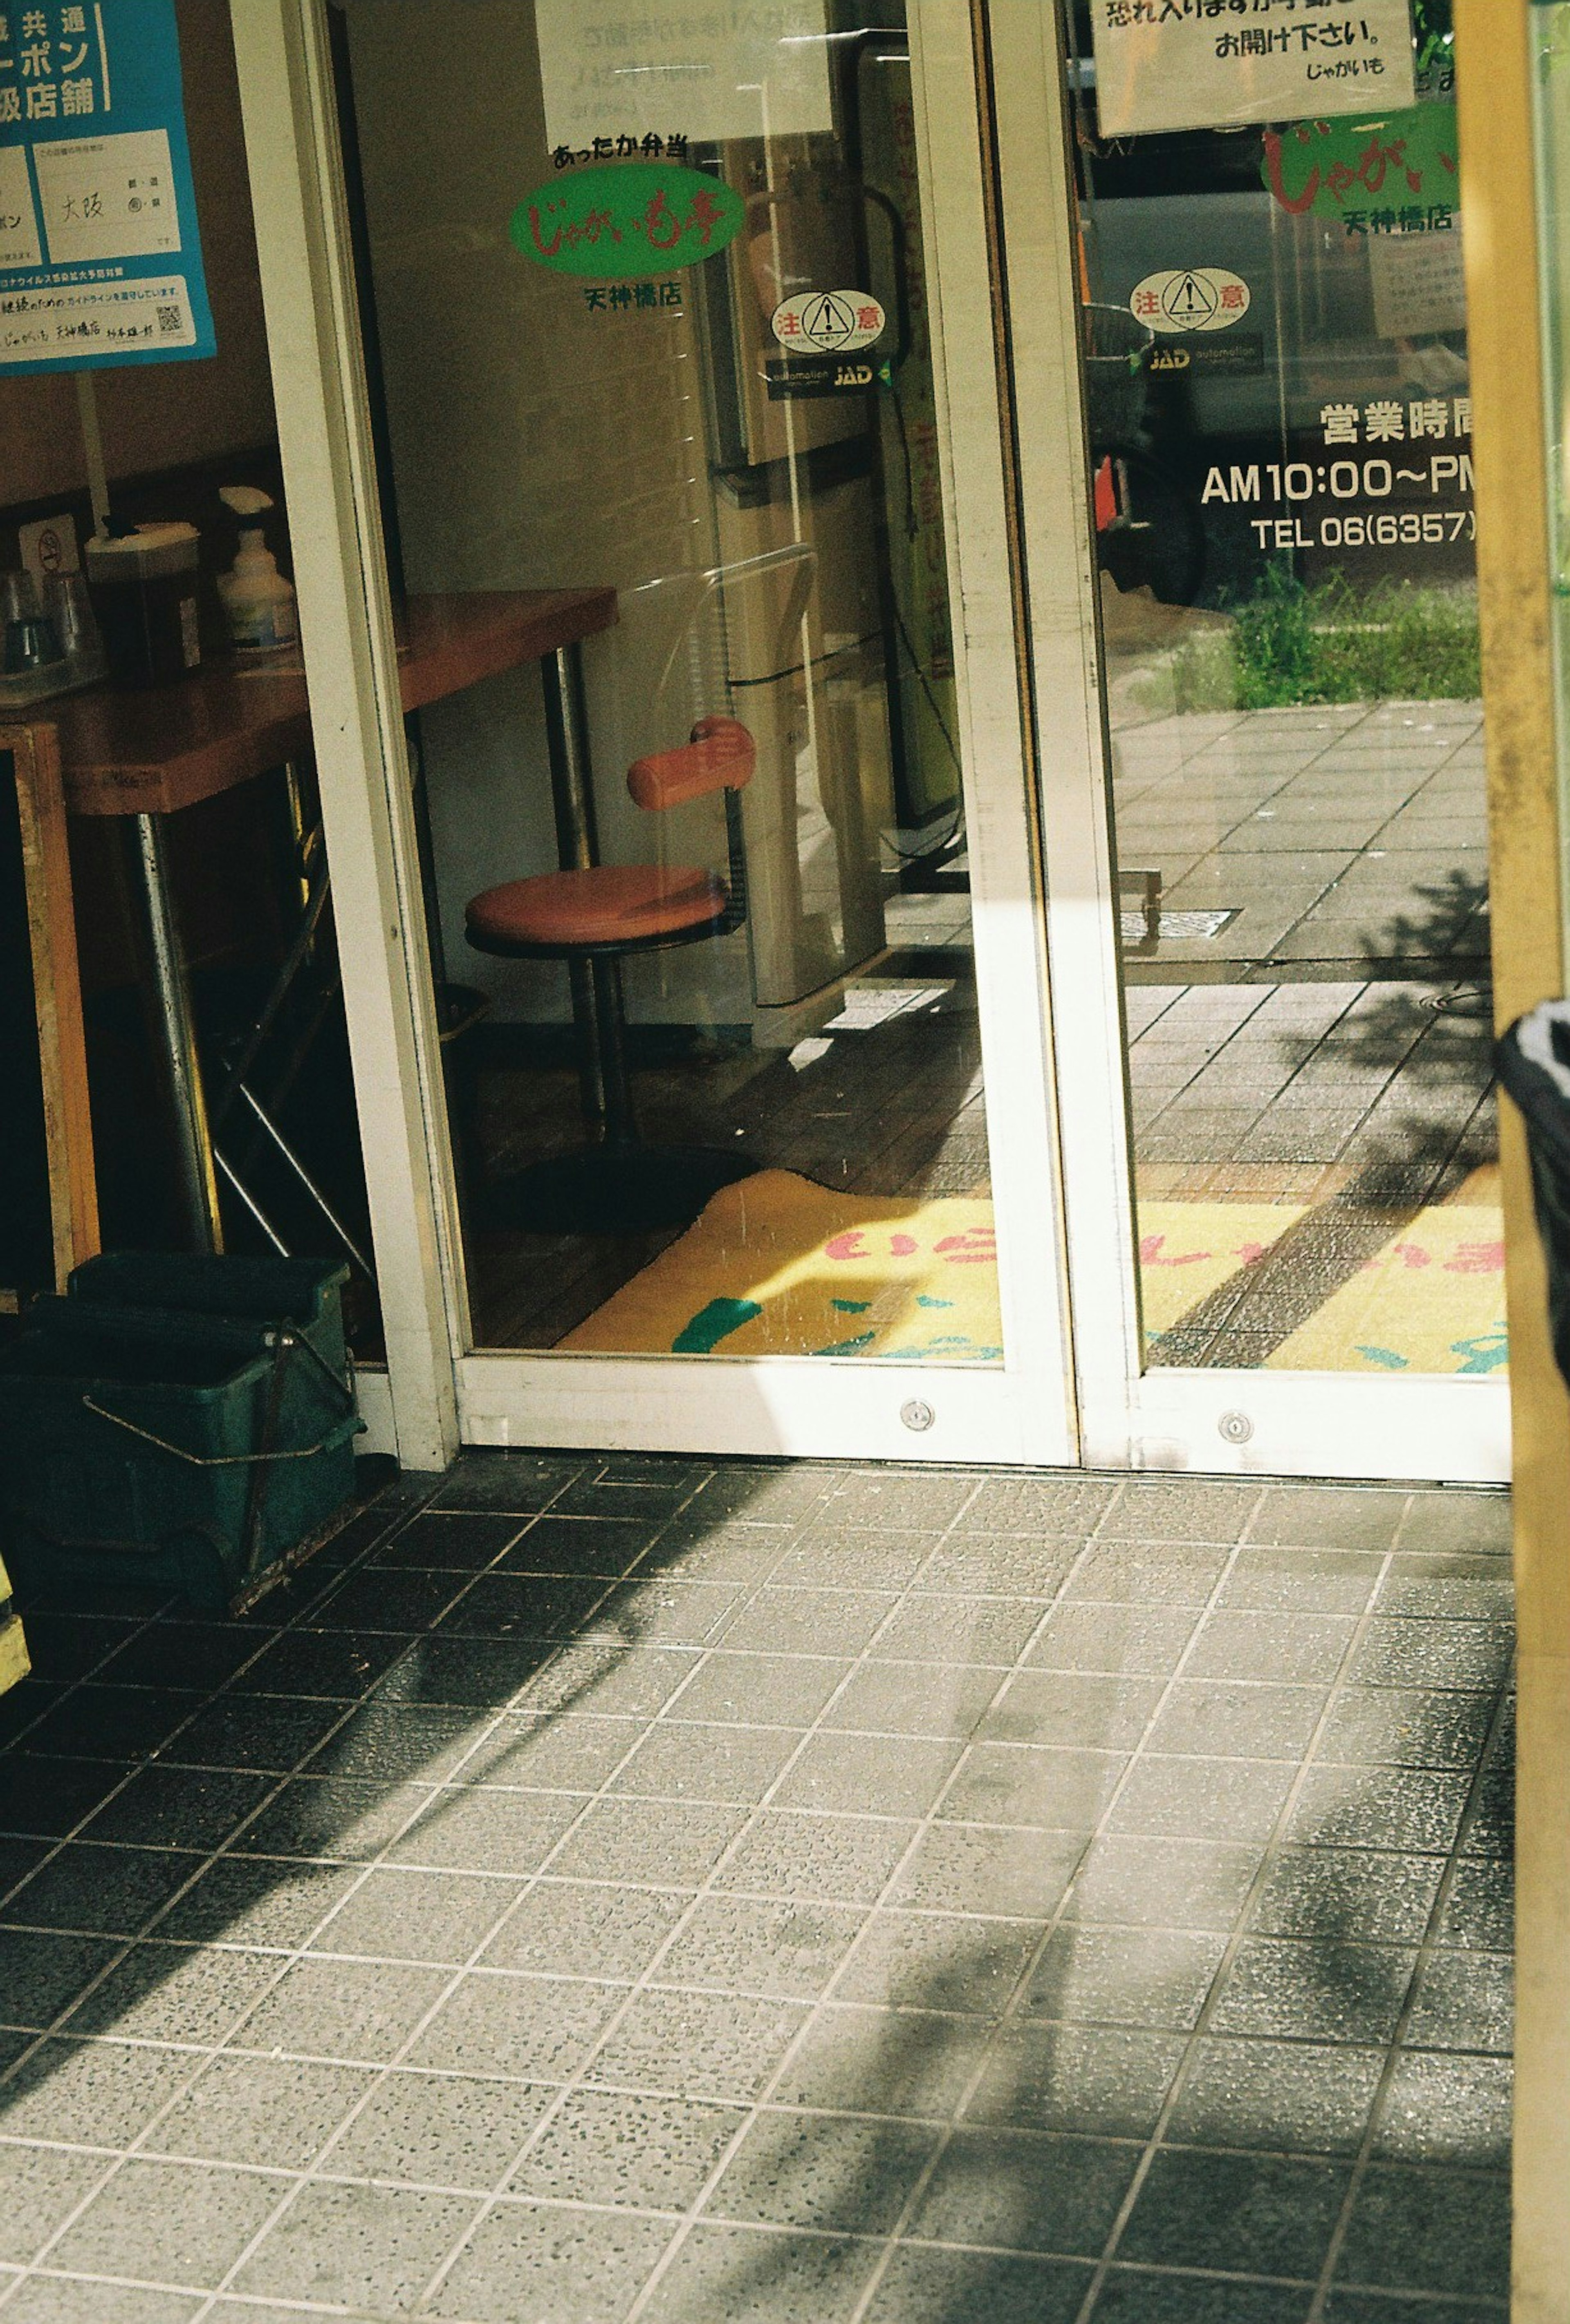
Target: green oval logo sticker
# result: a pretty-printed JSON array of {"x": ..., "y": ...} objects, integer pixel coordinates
[{"x": 628, "y": 219}]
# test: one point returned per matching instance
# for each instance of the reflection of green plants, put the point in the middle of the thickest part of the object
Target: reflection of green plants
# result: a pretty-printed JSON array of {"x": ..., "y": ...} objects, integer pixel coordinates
[{"x": 1289, "y": 644}]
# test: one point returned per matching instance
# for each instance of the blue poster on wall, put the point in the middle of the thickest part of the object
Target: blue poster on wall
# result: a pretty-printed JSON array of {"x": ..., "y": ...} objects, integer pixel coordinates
[{"x": 100, "y": 258}]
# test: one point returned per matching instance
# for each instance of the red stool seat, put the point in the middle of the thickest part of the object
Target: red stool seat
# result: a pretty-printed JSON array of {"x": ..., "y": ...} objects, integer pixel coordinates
[{"x": 614, "y": 903}]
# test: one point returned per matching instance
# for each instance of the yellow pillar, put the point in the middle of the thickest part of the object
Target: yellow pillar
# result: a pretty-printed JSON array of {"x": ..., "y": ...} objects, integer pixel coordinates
[
  {"x": 1526, "y": 852},
  {"x": 13, "y": 1661}
]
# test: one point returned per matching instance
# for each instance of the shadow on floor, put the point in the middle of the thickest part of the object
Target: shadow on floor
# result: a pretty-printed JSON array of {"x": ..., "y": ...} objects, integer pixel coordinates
[{"x": 754, "y": 1892}]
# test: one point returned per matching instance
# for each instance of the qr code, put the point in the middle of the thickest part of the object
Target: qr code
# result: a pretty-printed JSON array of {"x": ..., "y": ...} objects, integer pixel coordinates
[{"x": 170, "y": 322}]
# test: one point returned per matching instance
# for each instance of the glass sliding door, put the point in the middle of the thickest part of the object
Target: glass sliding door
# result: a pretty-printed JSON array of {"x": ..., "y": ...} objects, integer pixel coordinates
[
  {"x": 1276, "y": 454},
  {"x": 719, "y": 818}
]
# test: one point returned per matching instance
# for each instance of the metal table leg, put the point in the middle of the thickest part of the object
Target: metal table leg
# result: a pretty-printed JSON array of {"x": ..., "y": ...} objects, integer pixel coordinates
[
  {"x": 577, "y": 850},
  {"x": 193, "y": 1141}
]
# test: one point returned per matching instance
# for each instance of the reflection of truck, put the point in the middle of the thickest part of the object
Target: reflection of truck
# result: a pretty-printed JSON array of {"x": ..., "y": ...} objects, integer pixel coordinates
[{"x": 1315, "y": 373}]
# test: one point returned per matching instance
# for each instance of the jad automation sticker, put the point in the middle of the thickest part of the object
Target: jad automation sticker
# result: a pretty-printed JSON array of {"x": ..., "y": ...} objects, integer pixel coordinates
[
  {"x": 829, "y": 322},
  {"x": 1191, "y": 298}
]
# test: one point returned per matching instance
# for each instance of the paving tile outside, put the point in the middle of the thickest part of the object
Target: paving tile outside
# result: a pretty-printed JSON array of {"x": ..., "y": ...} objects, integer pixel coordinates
[{"x": 1184, "y": 1983}]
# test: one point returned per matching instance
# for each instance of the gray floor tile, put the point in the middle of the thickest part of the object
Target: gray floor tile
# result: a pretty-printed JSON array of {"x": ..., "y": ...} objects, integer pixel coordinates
[
  {"x": 1329, "y": 1516},
  {"x": 573, "y": 1928},
  {"x": 766, "y": 1690},
  {"x": 1413, "y": 1653},
  {"x": 326, "y": 1818},
  {"x": 115, "y": 1892},
  {"x": 365, "y": 2247},
  {"x": 183, "y": 2223},
  {"x": 893, "y": 1698},
  {"x": 1453, "y": 1586},
  {"x": 85, "y": 2299},
  {"x": 842, "y": 1859},
  {"x": 398, "y": 1915},
  {"x": 612, "y": 1679},
  {"x": 937, "y": 1960},
  {"x": 608, "y": 2146},
  {"x": 1392, "y": 2307},
  {"x": 576, "y": 1753},
  {"x": 360, "y": 2012},
  {"x": 1406, "y": 1727},
  {"x": 1203, "y": 1798},
  {"x": 823, "y": 2172},
  {"x": 722, "y": 2274},
  {"x": 773, "y": 1947},
  {"x": 440, "y": 2130},
  {"x": 170, "y": 1993},
  {"x": 665, "y": 1843},
  {"x": 1043, "y": 1507},
  {"x": 1412, "y": 1808},
  {"x": 256, "y": 1900},
  {"x": 1445, "y": 2107},
  {"x": 1254, "y": 2214},
  {"x": 900, "y": 1776},
  {"x": 269, "y": 2111},
  {"x": 1297, "y": 2096},
  {"x": 1120, "y": 1571},
  {"x": 1146, "y": 2296},
  {"x": 1457, "y": 1519},
  {"x": 1345, "y": 1891},
  {"x": 40, "y": 2187},
  {"x": 91, "y": 2093},
  {"x": 1179, "y": 1510},
  {"x": 1314, "y": 1989},
  {"x": 1131, "y": 1639},
  {"x": 1164, "y": 1883},
  {"x": 724, "y": 1765},
  {"x": 530, "y": 2028},
  {"x": 1466, "y": 2001},
  {"x": 976, "y": 1869},
  {"x": 894, "y": 1500},
  {"x": 1091, "y": 1710},
  {"x": 1248, "y": 1720},
  {"x": 1024, "y": 1564},
  {"x": 825, "y": 1557},
  {"x": 1295, "y": 1647},
  {"x": 711, "y": 2045},
  {"x": 1023, "y": 2190},
  {"x": 1480, "y": 1910},
  {"x": 951, "y": 1630},
  {"x": 1429, "y": 2230},
  {"x": 1048, "y": 1789},
  {"x": 808, "y": 1621},
  {"x": 531, "y": 2258},
  {"x": 1112, "y": 2080},
  {"x": 923, "y": 2286},
  {"x": 1151, "y": 1977},
  {"x": 861, "y": 2058}
]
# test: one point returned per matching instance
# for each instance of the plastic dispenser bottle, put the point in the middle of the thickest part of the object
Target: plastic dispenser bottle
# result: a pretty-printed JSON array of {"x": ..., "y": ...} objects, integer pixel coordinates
[{"x": 258, "y": 602}]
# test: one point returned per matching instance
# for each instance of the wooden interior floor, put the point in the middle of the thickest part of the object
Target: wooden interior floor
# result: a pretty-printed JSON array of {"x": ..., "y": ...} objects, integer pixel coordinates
[{"x": 893, "y": 1107}]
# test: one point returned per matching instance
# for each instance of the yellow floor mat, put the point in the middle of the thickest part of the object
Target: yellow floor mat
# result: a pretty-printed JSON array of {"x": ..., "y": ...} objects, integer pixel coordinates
[
  {"x": 13, "y": 1661},
  {"x": 1188, "y": 1250},
  {"x": 778, "y": 1267},
  {"x": 1430, "y": 1300}
]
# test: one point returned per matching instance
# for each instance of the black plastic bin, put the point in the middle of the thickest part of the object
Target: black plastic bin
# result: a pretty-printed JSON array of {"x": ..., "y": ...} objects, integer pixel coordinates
[
  {"x": 1533, "y": 1061},
  {"x": 191, "y": 1450},
  {"x": 303, "y": 1292}
]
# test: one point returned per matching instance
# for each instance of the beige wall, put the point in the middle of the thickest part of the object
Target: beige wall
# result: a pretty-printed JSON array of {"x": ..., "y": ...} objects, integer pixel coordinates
[{"x": 157, "y": 415}]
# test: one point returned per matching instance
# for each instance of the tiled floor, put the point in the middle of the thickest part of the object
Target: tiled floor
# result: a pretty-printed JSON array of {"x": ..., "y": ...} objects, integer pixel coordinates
[
  {"x": 1339, "y": 833},
  {"x": 660, "y": 1891}
]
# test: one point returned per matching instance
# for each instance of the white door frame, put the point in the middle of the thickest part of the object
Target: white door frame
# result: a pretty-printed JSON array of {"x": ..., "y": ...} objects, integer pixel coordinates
[
  {"x": 1020, "y": 1411},
  {"x": 1269, "y": 1423}
]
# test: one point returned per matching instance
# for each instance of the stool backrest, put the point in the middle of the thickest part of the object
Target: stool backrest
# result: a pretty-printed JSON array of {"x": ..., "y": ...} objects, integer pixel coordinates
[{"x": 720, "y": 755}]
